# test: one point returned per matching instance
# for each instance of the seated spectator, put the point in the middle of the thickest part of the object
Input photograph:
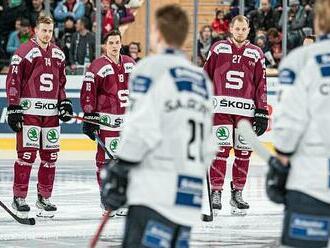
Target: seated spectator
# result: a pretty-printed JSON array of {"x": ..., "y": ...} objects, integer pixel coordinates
[
  {"x": 263, "y": 18},
  {"x": 82, "y": 48},
  {"x": 220, "y": 25},
  {"x": 204, "y": 44},
  {"x": 65, "y": 8},
  {"x": 89, "y": 10},
  {"x": 65, "y": 37},
  {"x": 132, "y": 49},
  {"x": 275, "y": 44},
  {"x": 296, "y": 22},
  {"x": 123, "y": 15},
  {"x": 19, "y": 37},
  {"x": 34, "y": 11},
  {"x": 261, "y": 42}
]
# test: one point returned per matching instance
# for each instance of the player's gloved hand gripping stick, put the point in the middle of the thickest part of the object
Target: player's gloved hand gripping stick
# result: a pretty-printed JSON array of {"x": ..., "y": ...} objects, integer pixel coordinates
[{"x": 277, "y": 173}]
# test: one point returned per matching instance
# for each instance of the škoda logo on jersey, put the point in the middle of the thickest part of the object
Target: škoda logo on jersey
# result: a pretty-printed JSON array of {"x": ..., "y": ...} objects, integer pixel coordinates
[
  {"x": 114, "y": 145},
  {"x": 33, "y": 134},
  {"x": 222, "y": 133},
  {"x": 52, "y": 136},
  {"x": 26, "y": 104},
  {"x": 105, "y": 119}
]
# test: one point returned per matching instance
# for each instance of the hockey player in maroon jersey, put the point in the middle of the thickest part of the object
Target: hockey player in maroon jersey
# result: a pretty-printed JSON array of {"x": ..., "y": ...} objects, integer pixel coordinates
[
  {"x": 237, "y": 69},
  {"x": 104, "y": 96},
  {"x": 36, "y": 98}
]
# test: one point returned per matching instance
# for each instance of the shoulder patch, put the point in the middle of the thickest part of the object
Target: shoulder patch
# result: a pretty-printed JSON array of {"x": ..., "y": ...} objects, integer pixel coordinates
[
  {"x": 58, "y": 54},
  {"x": 15, "y": 60},
  {"x": 33, "y": 53},
  {"x": 323, "y": 61},
  {"x": 222, "y": 48},
  {"x": 287, "y": 76},
  {"x": 128, "y": 67},
  {"x": 252, "y": 53},
  {"x": 105, "y": 71},
  {"x": 141, "y": 84},
  {"x": 89, "y": 77}
]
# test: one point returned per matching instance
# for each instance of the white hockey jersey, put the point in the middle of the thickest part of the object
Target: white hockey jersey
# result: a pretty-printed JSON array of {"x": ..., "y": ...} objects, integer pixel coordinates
[
  {"x": 302, "y": 118},
  {"x": 168, "y": 131}
]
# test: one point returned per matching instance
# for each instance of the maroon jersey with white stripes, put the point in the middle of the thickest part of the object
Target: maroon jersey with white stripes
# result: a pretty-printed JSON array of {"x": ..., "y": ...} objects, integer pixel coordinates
[
  {"x": 105, "y": 86},
  {"x": 38, "y": 77},
  {"x": 239, "y": 78}
]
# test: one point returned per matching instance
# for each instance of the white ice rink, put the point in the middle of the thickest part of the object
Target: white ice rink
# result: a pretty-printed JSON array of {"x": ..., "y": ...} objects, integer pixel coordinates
[{"x": 77, "y": 198}]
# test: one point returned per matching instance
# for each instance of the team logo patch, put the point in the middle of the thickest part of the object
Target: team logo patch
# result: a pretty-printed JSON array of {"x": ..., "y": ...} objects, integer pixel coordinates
[
  {"x": 26, "y": 104},
  {"x": 15, "y": 60},
  {"x": 222, "y": 133},
  {"x": 114, "y": 145},
  {"x": 52, "y": 136},
  {"x": 32, "y": 134}
]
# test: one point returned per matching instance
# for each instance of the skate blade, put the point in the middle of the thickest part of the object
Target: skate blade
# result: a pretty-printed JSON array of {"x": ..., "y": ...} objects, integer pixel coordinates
[
  {"x": 45, "y": 214},
  {"x": 238, "y": 212},
  {"x": 216, "y": 212}
]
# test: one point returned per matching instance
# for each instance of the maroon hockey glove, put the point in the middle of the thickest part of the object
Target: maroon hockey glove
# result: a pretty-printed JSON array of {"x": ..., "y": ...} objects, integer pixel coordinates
[
  {"x": 15, "y": 117},
  {"x": 260, "y": 121}
]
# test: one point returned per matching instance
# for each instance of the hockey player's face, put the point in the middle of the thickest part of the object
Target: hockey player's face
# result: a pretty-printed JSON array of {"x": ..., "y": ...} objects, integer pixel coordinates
[
  {"x": 240, "y": 31},
  {"x": 44, "y": 32},
  {"x": 113, "y": 45}
]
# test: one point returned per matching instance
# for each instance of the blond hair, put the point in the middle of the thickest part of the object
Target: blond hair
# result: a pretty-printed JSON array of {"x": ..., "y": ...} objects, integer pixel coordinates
[
  {"x": 322, "y": 12},
  {"x": 44, "y": 19},
  {"x": 239, "y": 18}
]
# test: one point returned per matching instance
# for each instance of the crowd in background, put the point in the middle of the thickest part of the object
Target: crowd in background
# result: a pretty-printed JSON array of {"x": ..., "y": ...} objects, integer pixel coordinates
[
  {"x": 76, "y": 25},
  {"x": 265, "y": 27},
  {"x": 74, "y": 30}
]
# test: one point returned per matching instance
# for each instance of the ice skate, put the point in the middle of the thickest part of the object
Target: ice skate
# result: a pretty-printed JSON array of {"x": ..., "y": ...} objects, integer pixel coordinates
[
  {"x": 216, "y": 201},
  {"x": 238, "y": 205},
  {"x": 21, "y": 208},
  {"x": 45, "y": 208}
]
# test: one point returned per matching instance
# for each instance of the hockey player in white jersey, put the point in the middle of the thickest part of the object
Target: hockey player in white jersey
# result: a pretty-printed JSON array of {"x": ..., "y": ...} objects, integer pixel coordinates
[
  {"x": 166, "y": 144},
  {"x": 299, "y": 142}
]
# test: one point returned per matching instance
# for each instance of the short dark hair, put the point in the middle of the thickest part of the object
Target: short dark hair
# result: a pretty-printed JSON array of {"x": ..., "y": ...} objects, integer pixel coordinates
[
  {"x": 25, "y": 22},
  {"x": 85, "y": 21},
  {"x": 173, "y": 23},
  {"x": 273, "y": 32},
  {"x": 136, "y": 44},
  {"x": 114, "y": 32}
]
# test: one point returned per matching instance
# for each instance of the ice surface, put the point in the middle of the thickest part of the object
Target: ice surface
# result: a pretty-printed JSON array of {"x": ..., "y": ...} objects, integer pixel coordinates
[{"x": 77, "y": 198}]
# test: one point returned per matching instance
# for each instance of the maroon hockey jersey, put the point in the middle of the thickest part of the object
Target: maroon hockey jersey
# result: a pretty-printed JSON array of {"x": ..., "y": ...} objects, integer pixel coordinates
[
  {"x": 105, "y": 88},
  {"x": 36, "y": 78},
  {"x": 239, "y": 78}
]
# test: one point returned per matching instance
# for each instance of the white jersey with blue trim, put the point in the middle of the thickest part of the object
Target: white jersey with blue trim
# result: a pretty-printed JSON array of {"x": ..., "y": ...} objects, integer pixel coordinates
[
  {"x": 168, "y": 131},
  {"x": 302, "y": 121}
]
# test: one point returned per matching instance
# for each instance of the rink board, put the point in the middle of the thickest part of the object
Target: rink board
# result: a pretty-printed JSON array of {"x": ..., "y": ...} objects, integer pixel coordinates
[{"x": 72, "y": 139}]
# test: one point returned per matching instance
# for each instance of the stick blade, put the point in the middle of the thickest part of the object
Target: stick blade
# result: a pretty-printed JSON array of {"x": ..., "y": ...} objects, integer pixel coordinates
[{"x": 246, "y": 130}]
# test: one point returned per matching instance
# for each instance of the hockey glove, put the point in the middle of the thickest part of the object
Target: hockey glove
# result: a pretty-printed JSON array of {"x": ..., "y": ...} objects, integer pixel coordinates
[
  {"x": 114, "y": 184},
  {"x": 276, "y": 179},
  {"x": 88, "y": 128},
  {"x": 15, "y": 117},
  {"x": 260, "y": 121},
  {"x": 65, "y": 110}
]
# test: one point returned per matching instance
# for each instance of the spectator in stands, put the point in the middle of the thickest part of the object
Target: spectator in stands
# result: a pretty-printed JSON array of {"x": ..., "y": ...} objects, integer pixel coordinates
[
  {"x": 16, "y": 38},
  {"x": 204, "y": 44},
  {"x": 34, "y": 11},
  {"x": 261, "y": 42},
  {"x": 65, "y": 8},
  {"x": 108, "y": 22},
  {"x": 263, "y": 18},
  {"x": 82, "y": 48},
  {"x": 275, "y": 44},
  {"x": 65, "y": 37},
  {"x": 134, "y": 50},
  {"x": 122, "y": 14},
  {"x": 296, "y": 22},
  {"x": 220, "y": 25}
]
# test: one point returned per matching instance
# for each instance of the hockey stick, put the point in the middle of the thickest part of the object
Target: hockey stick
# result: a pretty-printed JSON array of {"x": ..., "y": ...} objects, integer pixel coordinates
[
  {"x": 24, "y": 221},
  {"x": 99, "y": 229},
  {"x": 207, "y": 212},
  {"x": 92, "y": 122},
  {"x": 107, "y": 213}
]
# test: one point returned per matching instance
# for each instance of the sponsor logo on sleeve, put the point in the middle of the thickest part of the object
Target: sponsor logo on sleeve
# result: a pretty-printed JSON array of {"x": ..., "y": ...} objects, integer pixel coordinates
[
  {"x": 105, "y": 71},
  {"x": 141, "y": 84},
  {"x": 89, "y": 77},
  {"x": 58, "y": 54},
  {"x": 128, "y": 67},
  {"x": 33, "y": 53},
  {"x": 287, "y": 76},
  {"x": 15, "y": 60},
  {"x": 223, "y": 48},
  {"x": 324, "y": 62},
  {"x": 251, "y": 53}
]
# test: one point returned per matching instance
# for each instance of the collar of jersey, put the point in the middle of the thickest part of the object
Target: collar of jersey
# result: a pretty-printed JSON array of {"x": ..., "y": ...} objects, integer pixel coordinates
[
  {"x": 173, "y": 51},
  {"x": 324, "y": 37}
]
